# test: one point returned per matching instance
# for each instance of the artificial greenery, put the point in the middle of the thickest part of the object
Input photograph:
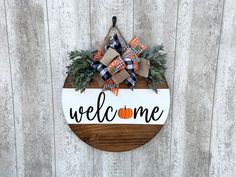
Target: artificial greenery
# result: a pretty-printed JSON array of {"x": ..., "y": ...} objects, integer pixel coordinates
[
  {"x": 157, "y": 59},
  {"x": 79, "y": 70},
  {"x": 81, "y": 73}
]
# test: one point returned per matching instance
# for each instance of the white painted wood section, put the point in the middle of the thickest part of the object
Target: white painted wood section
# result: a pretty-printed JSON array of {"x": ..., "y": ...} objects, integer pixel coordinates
[
  {"x": 223, "y": 136},
  {"x": 134, "y": 99},
  {"x": 7, "y": 128},
  {"x": 156, "y": 25},
  {"x": 69, "y": 29},
  {"x": 31, "y": 80},
  {"x": 198, "y": 32}
]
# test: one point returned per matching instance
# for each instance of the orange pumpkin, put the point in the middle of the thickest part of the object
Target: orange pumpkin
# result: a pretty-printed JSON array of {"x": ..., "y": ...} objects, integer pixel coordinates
[{"x": 125, "y": 113}]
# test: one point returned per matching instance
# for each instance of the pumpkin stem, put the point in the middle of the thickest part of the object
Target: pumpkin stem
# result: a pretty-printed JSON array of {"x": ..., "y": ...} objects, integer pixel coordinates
[{"x": 125, "y": 106}]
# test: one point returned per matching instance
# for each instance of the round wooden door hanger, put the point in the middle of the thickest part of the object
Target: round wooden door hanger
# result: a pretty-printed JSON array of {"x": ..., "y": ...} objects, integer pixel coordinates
[{"x": 116, "y": 98}]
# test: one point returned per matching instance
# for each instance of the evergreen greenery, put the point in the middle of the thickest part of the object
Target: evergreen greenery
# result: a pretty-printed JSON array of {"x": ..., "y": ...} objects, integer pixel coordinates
[
  {"x": 157, "y": 59},
  {"x": 79, "y": 70}
]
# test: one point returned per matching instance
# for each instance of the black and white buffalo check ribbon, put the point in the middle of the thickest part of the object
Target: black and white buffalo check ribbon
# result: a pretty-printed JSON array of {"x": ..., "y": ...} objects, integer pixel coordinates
[
  {"x": 115, "y": 44},
  {"x": 101, "y": 69},
  {"x": 129, "y": 59},
  {"x": 130, "y": 66}
]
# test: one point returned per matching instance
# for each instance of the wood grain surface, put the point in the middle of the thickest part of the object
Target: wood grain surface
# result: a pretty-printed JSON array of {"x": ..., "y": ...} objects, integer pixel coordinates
[
  {"x": 32, "y": 87},
  {"x": 198, "y": 31},
  {"x": 198, "y": 138},
  {"x": 69, "y": 29},
  {"x": 115, "y": 138},
  {"x": 8, "y": 157},
  {"x": 223, "y": 128},
  {"x": 155, "y": 22}
]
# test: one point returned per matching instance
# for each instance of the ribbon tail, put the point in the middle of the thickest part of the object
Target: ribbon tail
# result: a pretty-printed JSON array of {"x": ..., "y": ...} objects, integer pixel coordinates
[
  {"x": 115, "y": 91},
  {"x": 112, "y": 86}
]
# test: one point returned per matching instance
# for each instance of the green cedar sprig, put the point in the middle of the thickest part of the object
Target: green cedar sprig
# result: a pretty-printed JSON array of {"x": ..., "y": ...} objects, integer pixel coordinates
[
  {"x": 157, "y": 59},
  {"x": 79, "y": 70}
]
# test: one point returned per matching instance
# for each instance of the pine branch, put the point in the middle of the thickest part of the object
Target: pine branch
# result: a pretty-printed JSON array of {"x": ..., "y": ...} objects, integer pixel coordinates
[
  {"x": 79, "y": 70},
  {"x": 157, "y": 59}
]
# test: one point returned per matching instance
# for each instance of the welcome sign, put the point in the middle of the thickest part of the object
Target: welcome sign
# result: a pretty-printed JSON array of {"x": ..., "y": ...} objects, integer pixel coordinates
[
  {"x": 118, "y": 109},
  {"x": 138, "y": 106}
]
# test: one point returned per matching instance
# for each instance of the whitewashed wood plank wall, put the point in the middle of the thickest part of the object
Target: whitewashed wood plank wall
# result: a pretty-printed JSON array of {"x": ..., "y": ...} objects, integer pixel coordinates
[{"x": 199, "y": 137}]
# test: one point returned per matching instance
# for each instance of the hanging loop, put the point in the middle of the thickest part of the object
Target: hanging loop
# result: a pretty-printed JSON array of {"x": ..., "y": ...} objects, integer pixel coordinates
[{"x": 114, "y": 19}]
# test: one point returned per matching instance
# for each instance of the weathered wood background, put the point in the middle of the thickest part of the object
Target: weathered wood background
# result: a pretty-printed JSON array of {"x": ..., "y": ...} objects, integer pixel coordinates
[{"x": 199, "y": 138}]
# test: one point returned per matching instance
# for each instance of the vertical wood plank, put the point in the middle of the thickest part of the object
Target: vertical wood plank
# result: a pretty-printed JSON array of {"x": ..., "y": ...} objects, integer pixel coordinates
[
  {"x": 106, "y": 163},
  {"x": 31, "y": 79},
  {"x": 69, "y": 29},
  {"x": 223, "y": 136},
  {"x": 155, "y": 23},
  {"x": 198, "y": 30},
  {"x": 7, "y": 132}
]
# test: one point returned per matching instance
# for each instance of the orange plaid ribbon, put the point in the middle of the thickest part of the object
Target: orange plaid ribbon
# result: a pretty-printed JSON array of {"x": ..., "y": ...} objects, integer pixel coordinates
[
  {"x": 116, "y": 65},
  {"x": 136, "y": 46}
]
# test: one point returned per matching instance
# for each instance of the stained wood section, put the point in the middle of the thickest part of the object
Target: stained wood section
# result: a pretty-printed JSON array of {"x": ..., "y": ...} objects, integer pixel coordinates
[
  {"x": 141, "y": 83},
  {"x": 115, "y": 138}
]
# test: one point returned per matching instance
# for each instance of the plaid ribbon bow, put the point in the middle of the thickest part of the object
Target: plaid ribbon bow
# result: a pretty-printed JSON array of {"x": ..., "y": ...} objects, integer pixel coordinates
[
  {"x": 128, "y": 61},
  {"x": 101, "y": 68}
]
